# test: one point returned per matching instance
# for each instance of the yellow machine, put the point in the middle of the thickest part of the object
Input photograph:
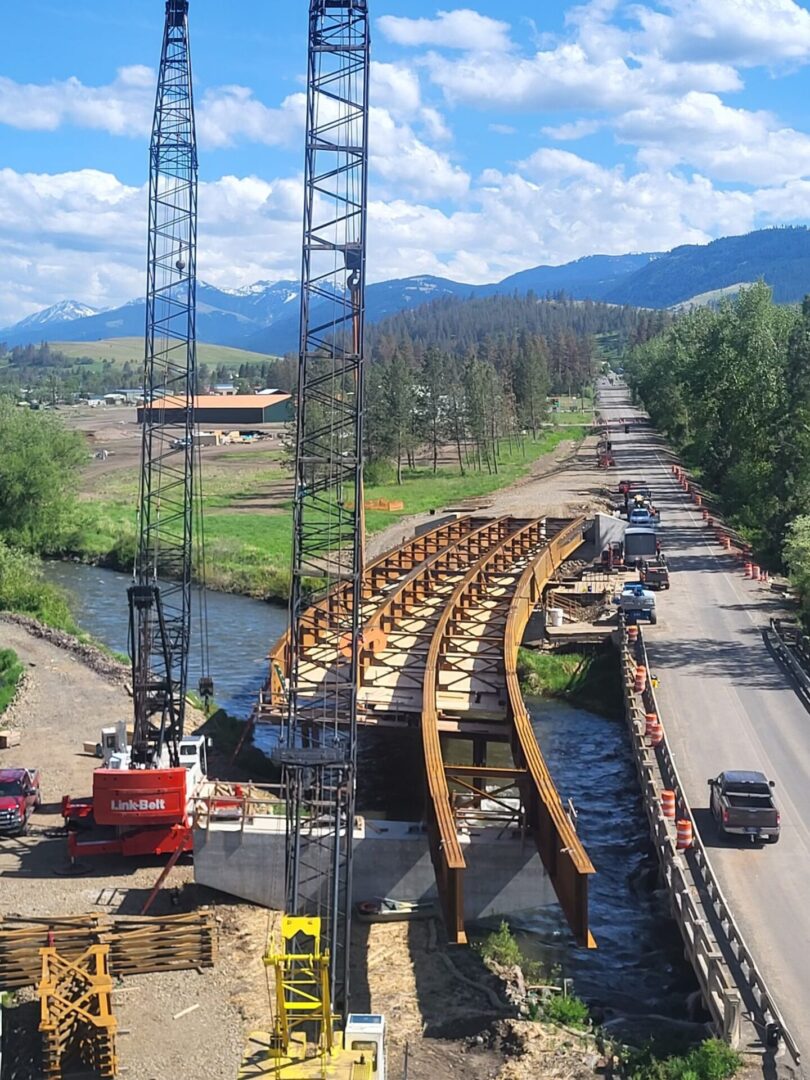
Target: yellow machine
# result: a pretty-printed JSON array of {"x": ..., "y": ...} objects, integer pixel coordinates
[{"x": 304, "y": 1044}]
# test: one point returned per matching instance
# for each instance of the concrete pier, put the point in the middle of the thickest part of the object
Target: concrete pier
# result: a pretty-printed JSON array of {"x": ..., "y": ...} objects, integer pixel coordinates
[{"x": 391, "y": 858}]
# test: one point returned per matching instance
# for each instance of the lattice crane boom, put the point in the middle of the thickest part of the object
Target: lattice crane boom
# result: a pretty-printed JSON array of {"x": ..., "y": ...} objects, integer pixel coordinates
[
  {"x": 160, "y": 596},
  {"x": 319, "y": 739}
]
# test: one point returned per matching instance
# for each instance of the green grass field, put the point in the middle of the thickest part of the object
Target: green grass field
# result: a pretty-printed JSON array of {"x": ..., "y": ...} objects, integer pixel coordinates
[
  {"x": 249, "y": 546},
  {"x": 121, "y": 350}
]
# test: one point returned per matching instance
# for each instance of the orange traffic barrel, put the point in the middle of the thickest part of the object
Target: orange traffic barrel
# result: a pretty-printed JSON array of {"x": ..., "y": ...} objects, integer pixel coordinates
[
  {"x": 748, "y": 569},
  {"x": 704, "y": 513},
  {"x": 685, "y": 837},
  {"x": 764, "y": 576},
  {"x": 668, "y": 803},
  {"x": 755, "y": 572},
  {"x": 727, "y": 542},
  {"x": 641, "y": 678},
  {"x": 656, "y": 734},
  {"x": 697, "y": 498},
  {"x": 651, "y": 719},
  {"x": 632, "y": 634}
]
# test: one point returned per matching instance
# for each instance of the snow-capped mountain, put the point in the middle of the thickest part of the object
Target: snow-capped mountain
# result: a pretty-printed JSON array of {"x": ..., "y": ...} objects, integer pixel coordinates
[
  {"x": 64, "y": 311},
  {"x": 264, "y": 316}
]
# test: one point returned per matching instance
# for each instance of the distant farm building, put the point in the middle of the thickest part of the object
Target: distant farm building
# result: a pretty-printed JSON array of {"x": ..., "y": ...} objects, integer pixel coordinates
[{"x": 226, "y": 411}]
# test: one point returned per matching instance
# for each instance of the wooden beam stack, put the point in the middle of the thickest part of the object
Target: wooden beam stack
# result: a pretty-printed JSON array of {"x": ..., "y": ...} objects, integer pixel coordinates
[{"x": 136, "y": 945}]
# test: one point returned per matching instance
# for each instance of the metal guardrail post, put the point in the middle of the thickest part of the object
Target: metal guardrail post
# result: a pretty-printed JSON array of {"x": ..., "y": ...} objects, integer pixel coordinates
[{"x": 719, "y": 978}]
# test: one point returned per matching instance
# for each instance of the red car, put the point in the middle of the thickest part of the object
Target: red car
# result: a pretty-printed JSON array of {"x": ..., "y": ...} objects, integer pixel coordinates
[{"x": 19, "y": 798}]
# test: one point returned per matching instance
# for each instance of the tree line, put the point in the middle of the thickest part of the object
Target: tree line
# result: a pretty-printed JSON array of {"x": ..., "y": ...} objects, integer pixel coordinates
[{"x": 731, "y": 389}]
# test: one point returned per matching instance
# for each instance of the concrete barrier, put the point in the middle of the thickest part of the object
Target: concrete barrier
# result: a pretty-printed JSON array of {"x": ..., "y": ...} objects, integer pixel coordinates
[{"x": 702, "y": 912}]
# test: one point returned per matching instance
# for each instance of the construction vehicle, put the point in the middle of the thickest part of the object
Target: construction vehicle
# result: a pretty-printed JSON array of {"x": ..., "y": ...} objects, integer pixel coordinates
[
  {"x": 640, "y": 542},
  {"x": 637, "y": 603},
  {"x": 142, "y": 792},
  {"x": 654, "y": 573},
  {"x": 314, "y": 1033}
]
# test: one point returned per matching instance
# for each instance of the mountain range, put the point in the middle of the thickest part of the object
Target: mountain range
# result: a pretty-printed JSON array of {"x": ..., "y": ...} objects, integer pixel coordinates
[{"x": 264, "y": 316}]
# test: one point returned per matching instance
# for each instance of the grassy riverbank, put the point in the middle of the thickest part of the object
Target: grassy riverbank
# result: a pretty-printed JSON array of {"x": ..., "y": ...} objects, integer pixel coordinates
[
  {"x": 248, "y": 509},
  {"x": 590, "y": 680},
  {"x": 11, "y": 671}
]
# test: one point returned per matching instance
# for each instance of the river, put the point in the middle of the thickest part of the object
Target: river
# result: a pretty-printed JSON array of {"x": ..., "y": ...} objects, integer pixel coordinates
[
  {"x": 639, "y": 966},
  {"x": 240, "y": 630}
]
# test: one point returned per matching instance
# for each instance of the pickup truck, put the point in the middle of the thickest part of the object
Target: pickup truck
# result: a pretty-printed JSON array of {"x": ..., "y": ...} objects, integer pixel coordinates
[
  {"x": 19, "y": 798},
  {"x": 742, "y": 805},
  {"x": 637, "y": 603}
]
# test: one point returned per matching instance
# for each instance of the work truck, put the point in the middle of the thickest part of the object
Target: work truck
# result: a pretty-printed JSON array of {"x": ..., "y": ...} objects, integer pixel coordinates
[
  {"x": 19, "y": 798},
  {"x": 742, "y": 804}
]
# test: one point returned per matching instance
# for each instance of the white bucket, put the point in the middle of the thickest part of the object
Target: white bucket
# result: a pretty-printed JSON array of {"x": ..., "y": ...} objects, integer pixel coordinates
[{"x": 555, "y": 616}]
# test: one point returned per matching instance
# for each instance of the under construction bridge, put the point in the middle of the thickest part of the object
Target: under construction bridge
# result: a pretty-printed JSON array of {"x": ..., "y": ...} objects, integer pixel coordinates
[{"x": 442, "y": 618}]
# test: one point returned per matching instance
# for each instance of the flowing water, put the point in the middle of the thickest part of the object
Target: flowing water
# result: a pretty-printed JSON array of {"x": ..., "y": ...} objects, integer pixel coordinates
[
  {"x": 240, "y": 630},
  {"x": 639, "y": 965}
]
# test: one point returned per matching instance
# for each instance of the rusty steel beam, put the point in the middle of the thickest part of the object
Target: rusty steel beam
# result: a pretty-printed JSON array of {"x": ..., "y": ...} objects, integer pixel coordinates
[
  {"x": 388, "y": 566},
  {"x": 445, "y": 849},
  {"x": 560, "y": 849},
  {"x": 477, "y": 542}
]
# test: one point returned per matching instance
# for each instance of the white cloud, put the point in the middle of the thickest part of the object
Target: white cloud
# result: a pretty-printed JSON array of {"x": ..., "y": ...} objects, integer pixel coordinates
[
  {"x": 579, "y": 129},
  {"x": 124, "y": 107},
  {"x": 567, "y": 78},
  {"x": 82, "y": 234},
  {"x": 744, "y": 32},
  {"x": 408, "y": 164},
  {"x": 461, "y": 29},
  {"x": 229, "y": 114},
  {"x": 729, "y": 144}
]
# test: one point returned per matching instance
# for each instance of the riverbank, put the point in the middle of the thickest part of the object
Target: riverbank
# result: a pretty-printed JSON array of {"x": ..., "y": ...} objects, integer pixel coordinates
[
  {"x": 588, "y": 680},
  {"x": 247, "y": 494}
]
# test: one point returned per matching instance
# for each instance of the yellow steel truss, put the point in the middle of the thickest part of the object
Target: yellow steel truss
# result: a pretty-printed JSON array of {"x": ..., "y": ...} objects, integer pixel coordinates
[
  {"x": 76, "y": 1020},
  {"x": 302, "y": 986}
]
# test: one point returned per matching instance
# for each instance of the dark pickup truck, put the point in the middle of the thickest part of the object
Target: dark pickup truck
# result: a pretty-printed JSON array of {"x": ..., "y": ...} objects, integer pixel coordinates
[
  {"x": 19, "y": 798},
  {"x": 742, "y": 805}
]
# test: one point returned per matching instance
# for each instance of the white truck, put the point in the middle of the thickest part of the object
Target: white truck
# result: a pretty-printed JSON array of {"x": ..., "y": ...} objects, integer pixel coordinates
[{"x": 637, "y": 603}]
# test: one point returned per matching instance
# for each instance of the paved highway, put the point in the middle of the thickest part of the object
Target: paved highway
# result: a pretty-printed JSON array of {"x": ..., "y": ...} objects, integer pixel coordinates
[{"x": 727, "y": 703}]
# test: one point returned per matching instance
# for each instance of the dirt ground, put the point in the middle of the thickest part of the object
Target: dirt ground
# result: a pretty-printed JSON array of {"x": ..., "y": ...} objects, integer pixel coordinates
[
  {"x": 116, "y": 430},
  {"x": 446, "y": 1014},
  {"x": 563, "y": 483}
]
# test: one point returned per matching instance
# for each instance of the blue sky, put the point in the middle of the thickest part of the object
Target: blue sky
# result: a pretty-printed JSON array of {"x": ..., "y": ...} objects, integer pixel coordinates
[{"x": 503, "y": 135}]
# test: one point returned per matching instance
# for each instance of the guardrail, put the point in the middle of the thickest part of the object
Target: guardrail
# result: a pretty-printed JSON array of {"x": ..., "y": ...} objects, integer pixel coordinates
[
  {"x": 656, "y": 771},
  {"x": 693, "y": 885},
  {"x": 793, "y": 647}
]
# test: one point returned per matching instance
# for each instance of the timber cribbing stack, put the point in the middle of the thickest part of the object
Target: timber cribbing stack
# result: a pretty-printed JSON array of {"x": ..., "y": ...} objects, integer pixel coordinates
[{"x": 136, "y": 946}]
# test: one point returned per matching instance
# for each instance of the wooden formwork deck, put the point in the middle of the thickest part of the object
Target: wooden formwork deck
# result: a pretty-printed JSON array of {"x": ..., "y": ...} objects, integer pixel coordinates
[{"x": 438, "y": 618}]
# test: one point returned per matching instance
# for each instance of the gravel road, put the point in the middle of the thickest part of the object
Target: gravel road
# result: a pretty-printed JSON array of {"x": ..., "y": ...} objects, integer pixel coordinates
[{"x": 64, "y": 702}]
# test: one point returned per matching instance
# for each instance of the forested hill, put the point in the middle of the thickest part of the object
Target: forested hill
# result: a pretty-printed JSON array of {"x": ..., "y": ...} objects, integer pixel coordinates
[
  {"x": 780, "y": 257},
  {"x": 455, "y": 325}
]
